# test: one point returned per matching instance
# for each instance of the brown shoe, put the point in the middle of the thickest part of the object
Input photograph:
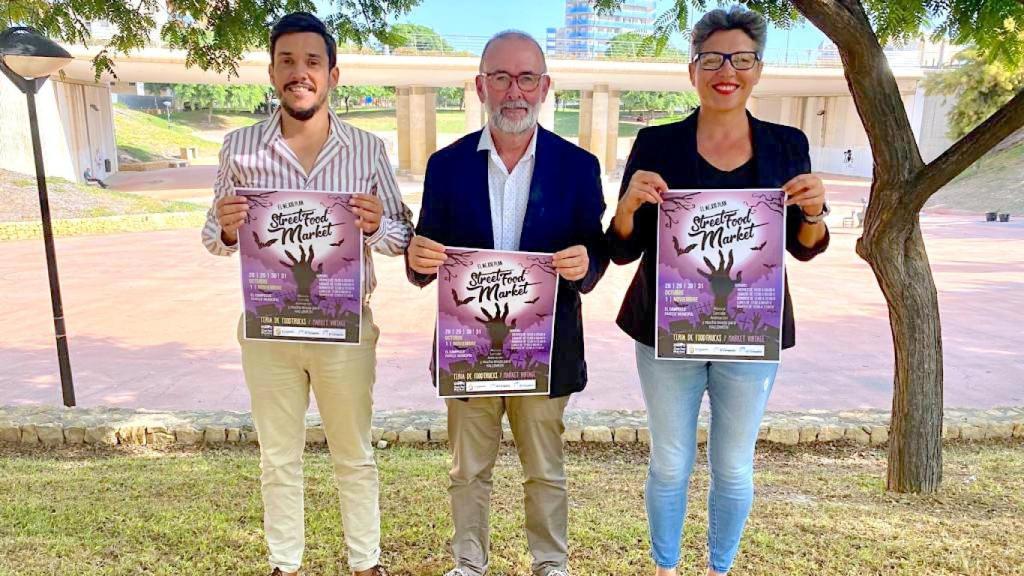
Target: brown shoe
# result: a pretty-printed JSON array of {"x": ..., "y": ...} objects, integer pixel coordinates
[
  {"x": 377, "y": 570},
  {"x": 278, "y": 572}
]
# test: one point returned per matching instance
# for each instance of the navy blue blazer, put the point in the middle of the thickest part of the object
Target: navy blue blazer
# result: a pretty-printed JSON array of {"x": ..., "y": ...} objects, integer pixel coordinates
[
  {"x": 780, "y": 153},
  {"x": 564, "y": 209}
]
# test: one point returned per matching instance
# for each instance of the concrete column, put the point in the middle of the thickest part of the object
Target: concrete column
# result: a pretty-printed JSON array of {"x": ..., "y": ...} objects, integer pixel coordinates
[
  {"x": 423, "y": 127},
  {"x": 547, "y": 111},
  {"x": 599, "y": 126},
  {"x": 586, "y": 117},
  {"x": 402, "y": 116},
  {"x": 612, "y": 130},
  {"x": 786, "y": 113},
  {"x": 475, "y": 117}
]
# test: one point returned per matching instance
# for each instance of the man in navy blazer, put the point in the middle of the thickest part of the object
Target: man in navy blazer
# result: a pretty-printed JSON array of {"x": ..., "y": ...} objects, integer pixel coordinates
[{"x": 515, "y": 186}]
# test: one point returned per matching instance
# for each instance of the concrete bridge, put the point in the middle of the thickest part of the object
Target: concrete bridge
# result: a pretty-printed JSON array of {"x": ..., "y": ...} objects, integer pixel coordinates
[{"x": 813, "y": 96}]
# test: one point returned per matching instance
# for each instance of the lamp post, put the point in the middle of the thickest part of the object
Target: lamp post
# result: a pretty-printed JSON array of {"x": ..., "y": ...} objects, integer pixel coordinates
[{"x": 27, "y": 59}]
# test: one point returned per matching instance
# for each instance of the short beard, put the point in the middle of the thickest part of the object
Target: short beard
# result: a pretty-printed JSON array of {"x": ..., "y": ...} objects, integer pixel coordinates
[
  {"x": 302, "y": 115},
  {"x": 515, "y": 127}
]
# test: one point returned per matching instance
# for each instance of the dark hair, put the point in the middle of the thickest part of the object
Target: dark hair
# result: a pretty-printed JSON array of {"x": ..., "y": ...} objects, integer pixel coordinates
[{"x": 304, "y": 22}]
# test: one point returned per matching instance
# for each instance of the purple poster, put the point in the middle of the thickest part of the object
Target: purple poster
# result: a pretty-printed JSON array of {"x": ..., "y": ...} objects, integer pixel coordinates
[
  {"x": 495, "y": 323},
  {"x": 721, "y": 274},
  {"x": 302, "y": 262}
]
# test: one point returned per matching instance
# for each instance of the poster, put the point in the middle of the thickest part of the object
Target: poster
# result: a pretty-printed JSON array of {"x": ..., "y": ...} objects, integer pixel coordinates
[
  {"x": 495, "y": 323},
  {"x": 302, "y": 263},
  {"x": 720, "y": 275}
]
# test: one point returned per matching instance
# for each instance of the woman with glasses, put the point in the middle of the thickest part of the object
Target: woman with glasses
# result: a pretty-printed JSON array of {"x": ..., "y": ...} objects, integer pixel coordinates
[{"x": 719, "y": 146}]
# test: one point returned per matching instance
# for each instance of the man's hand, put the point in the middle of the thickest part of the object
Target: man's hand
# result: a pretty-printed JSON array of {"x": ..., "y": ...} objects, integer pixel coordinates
[
  {"x": 572, "y": 263},
  {"x": 231, "y": 213},
  {"x": 368, "y": 210},
  {"x": 425, "y": 255}
]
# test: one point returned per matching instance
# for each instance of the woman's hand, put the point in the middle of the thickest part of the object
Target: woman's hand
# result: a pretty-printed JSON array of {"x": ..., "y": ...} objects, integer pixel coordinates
[{"x": 806, "y": 191}]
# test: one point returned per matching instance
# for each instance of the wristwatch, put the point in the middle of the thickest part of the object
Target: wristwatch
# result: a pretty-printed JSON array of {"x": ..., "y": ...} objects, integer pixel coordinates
[{"x": 817, "y": 217}]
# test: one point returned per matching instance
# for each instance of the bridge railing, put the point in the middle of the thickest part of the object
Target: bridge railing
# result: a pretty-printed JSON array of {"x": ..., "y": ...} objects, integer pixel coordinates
[
  {"x": 618, "y": 50},
  {"x": 571, "y": 48}
]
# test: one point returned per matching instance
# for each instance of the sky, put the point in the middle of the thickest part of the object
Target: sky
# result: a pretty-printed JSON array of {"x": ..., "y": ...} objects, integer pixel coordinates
[{"x": 486, "y": 17}]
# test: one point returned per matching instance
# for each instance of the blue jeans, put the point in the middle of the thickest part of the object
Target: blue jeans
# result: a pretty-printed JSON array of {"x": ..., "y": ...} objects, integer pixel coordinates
[{"x": 673, "y": 390}]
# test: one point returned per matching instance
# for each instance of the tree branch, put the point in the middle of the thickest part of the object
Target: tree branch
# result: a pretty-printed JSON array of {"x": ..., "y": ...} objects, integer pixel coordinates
[
  {"x": 872, "y": 84},
  {"x": 969, "y": 149}
]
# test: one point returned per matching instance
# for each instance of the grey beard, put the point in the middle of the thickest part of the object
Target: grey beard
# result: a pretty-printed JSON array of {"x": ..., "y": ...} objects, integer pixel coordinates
[{"x": 502, "y": 124}]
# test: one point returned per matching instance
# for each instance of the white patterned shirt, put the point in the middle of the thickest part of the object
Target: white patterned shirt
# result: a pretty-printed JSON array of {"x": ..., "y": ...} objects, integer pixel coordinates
[
  {"x": 509, "y": 191},
  {"x": 351, "y": 160}
]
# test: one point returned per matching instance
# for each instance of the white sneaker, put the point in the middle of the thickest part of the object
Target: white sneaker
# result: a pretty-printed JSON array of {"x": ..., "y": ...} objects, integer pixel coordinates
[
  {"x": 558, "y": 573},
  {"x": 456, "y": 572}
]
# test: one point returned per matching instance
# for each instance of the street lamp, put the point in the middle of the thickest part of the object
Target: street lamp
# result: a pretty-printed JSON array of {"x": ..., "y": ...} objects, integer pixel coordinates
[{"x": 27, "y": 59}]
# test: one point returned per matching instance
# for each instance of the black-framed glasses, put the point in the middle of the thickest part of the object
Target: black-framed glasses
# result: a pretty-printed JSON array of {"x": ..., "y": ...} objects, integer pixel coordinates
[
  {"x": 527, "y": 81},
  {"x": 712, "y": 61}
]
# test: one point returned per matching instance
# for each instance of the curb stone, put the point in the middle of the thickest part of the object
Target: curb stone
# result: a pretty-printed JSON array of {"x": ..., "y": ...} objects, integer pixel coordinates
[{"x": 57, "y": 426}]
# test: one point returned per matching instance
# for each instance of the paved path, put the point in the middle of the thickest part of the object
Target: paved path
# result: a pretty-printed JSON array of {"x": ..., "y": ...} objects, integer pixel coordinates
[{"x": 151, "y": 318}]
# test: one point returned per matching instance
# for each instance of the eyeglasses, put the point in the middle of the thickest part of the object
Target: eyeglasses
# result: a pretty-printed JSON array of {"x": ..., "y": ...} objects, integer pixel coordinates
[
  {"x": 527, "y": 81},
  {"x": 712, "y": 61}
]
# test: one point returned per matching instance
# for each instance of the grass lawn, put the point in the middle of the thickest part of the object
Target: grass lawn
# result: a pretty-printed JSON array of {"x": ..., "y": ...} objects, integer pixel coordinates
[
  {"x": 149, "y": 137},
  {"x": 19, "y": 200},
  {"x": 383, "y": 120},
  {"x": 220, "y": 120},
  {"x": 819, "y": 511},
  {"x": 993, "y": 184}
]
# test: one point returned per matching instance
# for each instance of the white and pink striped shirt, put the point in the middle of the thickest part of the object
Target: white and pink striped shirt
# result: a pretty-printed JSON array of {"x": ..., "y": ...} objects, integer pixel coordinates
[{"x": 351, "y": 160}]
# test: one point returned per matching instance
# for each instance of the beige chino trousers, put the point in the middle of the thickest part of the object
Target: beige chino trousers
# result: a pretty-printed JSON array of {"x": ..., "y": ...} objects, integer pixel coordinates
[{"x": 279, "y": 376}]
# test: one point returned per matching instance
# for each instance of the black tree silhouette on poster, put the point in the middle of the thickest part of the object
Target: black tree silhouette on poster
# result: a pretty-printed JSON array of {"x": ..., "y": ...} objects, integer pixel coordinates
[
  {"x": 676, "y": 206},
  {"x": 771, "y": 203},
  {"x": 457, "y": 260},
  {"x": 262, "y": 200}
]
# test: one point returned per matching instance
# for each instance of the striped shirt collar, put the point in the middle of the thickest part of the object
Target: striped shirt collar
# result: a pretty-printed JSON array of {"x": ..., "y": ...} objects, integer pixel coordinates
[{"x": 338, "y": 129}]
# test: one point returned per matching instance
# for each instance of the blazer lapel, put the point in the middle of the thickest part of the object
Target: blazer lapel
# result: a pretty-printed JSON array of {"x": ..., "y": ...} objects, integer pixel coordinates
[
  {"x": 473, "y": 193},
  {"x": 533, "y": 225},
  {"x": 767, "y": 155}
]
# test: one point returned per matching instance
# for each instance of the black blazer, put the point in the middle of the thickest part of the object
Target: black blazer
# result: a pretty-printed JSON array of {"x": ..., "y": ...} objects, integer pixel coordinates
[
  {"x": 780, "y": 153},
  {"x": 564, "y": 209}
]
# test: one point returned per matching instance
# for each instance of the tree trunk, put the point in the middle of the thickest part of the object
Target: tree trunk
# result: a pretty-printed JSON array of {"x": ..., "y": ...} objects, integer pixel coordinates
[{"x": 901, "y": 266}]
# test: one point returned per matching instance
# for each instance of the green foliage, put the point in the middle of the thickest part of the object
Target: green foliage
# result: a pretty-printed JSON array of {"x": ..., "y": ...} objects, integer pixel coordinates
[
  {"x": 996, "y": 27},
  {"x": 214, "y": 33},
  {"x": 635, "y": 46},
  {"x": 348, "y": 96},
  {"x": 247, "y": 97},
  {"x": 980, "y": 88},
  {"x": 451, "y": 96},
  {"x": 209, "y": 96},
  {"x": 420, "y": 38},
  {"x": 201, "y": 96},
  {"x": 659, "y": 101}
]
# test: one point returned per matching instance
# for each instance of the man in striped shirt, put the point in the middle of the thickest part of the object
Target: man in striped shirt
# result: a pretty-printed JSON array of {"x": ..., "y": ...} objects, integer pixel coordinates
[{"x": 304, "y": 146}]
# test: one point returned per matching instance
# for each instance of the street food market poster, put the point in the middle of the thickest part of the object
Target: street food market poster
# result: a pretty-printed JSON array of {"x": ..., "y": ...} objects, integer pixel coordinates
[
  {"x": 720, "y": 275},
  {"x": 495, "y": 323},
  {"x": 302, "y": 263}
]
